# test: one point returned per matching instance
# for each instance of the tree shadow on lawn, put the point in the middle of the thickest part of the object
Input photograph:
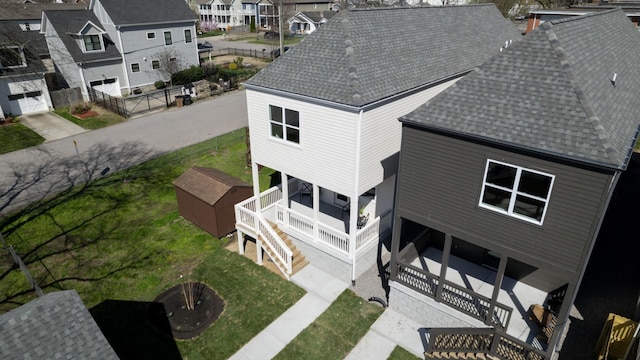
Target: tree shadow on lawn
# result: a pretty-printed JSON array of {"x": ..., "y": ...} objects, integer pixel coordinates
[{"x": 125, "y": 325}]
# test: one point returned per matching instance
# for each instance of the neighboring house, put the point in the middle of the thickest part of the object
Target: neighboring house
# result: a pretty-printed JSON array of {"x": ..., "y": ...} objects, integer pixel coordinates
[
  {"x": 504, "y": 181},
  {"x": 54, "y": 326},
  {"x": 304, "y": 23},
  {"x": 324, "y": 115},
  {"x": 84, "y": 54},
  {"x": 151, "y": 45},
  {"x": 23, "y": 88},
  {"x": 539, "y": 16},
  {"x": 228, "y": 13}
]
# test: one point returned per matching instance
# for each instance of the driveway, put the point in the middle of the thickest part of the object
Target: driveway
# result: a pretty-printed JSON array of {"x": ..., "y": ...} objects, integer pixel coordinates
[
  {"x": 33, "y": 174},
  {"x": 50, "y": 126}
]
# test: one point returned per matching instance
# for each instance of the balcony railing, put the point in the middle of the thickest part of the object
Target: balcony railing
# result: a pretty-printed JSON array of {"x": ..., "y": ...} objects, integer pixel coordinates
[
  {"x": 458, "y": 297},
  {"x": 484, "y": 341}
]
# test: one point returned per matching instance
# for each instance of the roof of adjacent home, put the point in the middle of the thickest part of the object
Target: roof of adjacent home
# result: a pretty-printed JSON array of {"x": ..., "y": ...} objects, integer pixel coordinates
[
  {"x": 67, "y": 22},
  {"x": 208, "y": 184},
  {"x": 569, "y": 89},
  {"x": 54, "y": 326},
  {"x": 32, "y": 44},
  {"x": 33, "y": 11},
  {"x": 360, "y": 57},
  {"x": 132, "y": 12}
]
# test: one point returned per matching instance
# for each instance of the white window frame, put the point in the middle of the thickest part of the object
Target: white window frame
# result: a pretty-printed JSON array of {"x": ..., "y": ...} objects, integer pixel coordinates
[
  {"x": 84, "y": 43},
  {"x": 20, "y": 52},
  {"x": 515, "y": 192},
  {"x": 155, "y": 62},
  {"x": 164, "y": 35},
  {"x": 190, "y": 39},
  {"x": 135, "y": 71},
  {"x": 285, "y": 126},
  {"x": 151, "y": 35}
]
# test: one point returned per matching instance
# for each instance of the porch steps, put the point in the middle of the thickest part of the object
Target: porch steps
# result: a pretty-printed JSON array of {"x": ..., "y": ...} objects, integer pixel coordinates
[
  {"x": 298, "y": 260},
  {"x": 458, "y": 355}
]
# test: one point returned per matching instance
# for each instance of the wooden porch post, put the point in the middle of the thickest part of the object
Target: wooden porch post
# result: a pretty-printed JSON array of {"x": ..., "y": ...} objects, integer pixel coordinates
[
  {"x": 353, "y": 233},
  {"x": 316, "y": 210},
  {"x": 240, "y": 242},
  {"x": 284, "y": 179},
  {"x": 496, "y": 289},
  {"x": 395, "y": 246},
  {"x": 562, "y": 317},
  {"x": 256, "y": 185},
  {"x": 259, "y": 251},
  {"x": 446, "y": 253}
]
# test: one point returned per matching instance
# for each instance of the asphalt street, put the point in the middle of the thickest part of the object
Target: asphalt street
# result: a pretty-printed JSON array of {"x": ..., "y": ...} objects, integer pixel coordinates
[{"x": 35, "y": 173}]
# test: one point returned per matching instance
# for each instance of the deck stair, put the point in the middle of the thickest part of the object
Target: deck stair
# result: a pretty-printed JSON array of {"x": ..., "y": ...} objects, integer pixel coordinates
[
  {"x": 298, "y": 260},
  {"x": 458, "y": 355}
]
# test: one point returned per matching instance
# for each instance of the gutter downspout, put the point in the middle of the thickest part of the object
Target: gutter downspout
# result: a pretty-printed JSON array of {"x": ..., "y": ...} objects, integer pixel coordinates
[{"x": 353, "y": 233}]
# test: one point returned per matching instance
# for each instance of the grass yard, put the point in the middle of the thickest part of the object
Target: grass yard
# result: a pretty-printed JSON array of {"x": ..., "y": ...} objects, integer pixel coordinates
[
  {"x": 401, "y": 354},
  {"x": 105, "y": 118},
  {"x": 334, "y": 333},
  {"x": 119, "y": 242},
  {"x": 17, "y": 136}
]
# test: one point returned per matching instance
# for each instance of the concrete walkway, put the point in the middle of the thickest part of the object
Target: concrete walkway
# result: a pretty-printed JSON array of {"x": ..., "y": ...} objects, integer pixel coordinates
[
  {"x": 390, "y": 330},
  {"x": 50, "y": 126}
]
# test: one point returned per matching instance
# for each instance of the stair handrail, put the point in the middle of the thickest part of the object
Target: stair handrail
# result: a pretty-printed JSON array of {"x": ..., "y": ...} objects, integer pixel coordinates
[{"x": 276, "y": 245}]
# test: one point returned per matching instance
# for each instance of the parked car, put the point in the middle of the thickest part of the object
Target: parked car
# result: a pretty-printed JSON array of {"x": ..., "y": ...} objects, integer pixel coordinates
[
  {"x": 271, "y": 35},
  {"x": 276, "y": 53},
  {"x": 205, "y": 46}
]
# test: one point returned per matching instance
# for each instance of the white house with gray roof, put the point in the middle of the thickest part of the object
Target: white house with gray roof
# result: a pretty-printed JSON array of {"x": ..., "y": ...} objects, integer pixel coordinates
[
  {"x": 324, "y": 115},
  {"x": 117, "y": 46},
  {"x": 504, "y": 181}
]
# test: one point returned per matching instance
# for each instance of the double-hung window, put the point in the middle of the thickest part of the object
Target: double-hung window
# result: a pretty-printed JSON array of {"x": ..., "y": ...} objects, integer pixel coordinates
[
  {"x": 516, "y": 191},
  {"x": 187, "y": 36},
  {"x": 167, "y": 38},
  {"x": 92, "y": 43},
  {"x": 285, "y": 124}
]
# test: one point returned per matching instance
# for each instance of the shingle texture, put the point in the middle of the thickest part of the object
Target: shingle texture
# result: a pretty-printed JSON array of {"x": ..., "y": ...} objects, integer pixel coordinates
[
  {"x": 207, "y": 184},
  {"x": 362, "y": 56},
  {"x": 128, "y": 12},
  {"x": 32, "y": 43},
  {"x": 67, "y": 22},
  {"x": 55, "y": 326},
  {"x": 33, "y": 11},
  {"x": 552, "y": 93}
]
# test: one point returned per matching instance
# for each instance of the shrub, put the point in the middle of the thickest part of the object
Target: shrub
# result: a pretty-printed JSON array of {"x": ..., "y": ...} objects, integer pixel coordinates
[
  {"x": 159, "y": 84},
  {"x": 233, "y": 66},
  {"x": 194, "y": 73},
  {"x": 81, "y": 108},
  {"x": 252, "y": 27}
]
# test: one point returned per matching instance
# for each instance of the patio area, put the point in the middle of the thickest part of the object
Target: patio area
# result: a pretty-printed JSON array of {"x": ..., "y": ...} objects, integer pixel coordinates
[{"x": 480, "y": 280}]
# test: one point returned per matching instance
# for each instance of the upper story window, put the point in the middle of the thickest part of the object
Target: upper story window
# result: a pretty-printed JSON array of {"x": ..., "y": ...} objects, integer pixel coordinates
[
  {"x": 135, "y": 67},
  {"x": 92, "y": 42},
  {"x": 12, "y": 57},
  {"x": 151, "y": 35},
  {"x": 187, "y": 36},
  {"x": 516, "y": 191},
  {"x": 285, "y": 124},
  {"x": 167, "y": 38},
  {"x": 155, "y": 64}
]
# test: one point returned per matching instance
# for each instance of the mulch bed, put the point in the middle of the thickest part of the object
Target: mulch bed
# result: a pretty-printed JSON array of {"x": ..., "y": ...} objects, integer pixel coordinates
[
  {"x": 185, "y": 323},
  {"x": 86, "y": 114}
]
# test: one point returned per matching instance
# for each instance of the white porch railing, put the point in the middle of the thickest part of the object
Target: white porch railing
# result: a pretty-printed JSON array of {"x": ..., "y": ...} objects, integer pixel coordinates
[
  {"x": 333, "y": 238},
  {"x": 277, "y": 246}
]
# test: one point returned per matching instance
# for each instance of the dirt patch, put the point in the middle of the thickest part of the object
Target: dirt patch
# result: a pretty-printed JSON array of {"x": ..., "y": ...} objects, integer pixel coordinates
[
  {"x": 190, "y": 308},
  {"x": 252, "y": 62},
  {"x": 86, "y": 114}
]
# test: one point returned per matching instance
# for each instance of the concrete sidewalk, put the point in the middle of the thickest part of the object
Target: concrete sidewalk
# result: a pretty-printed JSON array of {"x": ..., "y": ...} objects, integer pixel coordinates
[{"x": 390, "y": 330}]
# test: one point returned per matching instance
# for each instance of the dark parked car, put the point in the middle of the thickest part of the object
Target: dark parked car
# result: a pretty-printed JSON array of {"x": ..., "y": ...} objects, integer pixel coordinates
[
  {"x": 271, "y": 35},
  {"x": 205, "y": 46},
  {"x": 275, "y": 53}
]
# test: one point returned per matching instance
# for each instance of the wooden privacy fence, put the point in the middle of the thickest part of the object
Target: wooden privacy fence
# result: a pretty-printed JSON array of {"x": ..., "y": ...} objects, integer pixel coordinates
[{"x": 66, "y": 97}]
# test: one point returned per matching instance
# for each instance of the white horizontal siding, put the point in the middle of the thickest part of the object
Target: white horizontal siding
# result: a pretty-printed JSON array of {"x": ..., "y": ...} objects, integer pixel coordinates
[
  {"x": 326, "y": 154},
  {"x": 382, "y": 134}
]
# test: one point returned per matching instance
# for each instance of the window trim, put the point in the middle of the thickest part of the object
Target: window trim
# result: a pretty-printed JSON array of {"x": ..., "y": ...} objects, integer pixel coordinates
[
  {"x": 20, "y": 53},
  {"x": 153, "y": 62},
  {"x": 190, "y": 36},
  {"x": 100, "y": 41},
  {"x": 153, "y": 35},
  {"x": 170, "y": 38},
  {"x": 284, "y": 125},
  {"x": 135, "y": 71},
  {"x": 515, "y": 192}
]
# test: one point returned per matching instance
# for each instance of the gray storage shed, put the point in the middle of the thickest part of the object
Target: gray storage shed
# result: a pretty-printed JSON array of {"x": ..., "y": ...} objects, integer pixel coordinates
[{"x": 206, "y": 197}]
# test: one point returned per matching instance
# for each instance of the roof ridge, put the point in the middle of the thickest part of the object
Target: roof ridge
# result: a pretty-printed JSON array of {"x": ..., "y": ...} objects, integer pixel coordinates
[
  {"x": 353, "y": 80},
  {"x": 592, "y": 116}
]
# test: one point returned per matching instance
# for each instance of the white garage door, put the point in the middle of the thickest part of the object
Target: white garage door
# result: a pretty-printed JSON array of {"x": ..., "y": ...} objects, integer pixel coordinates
[
  {"x": 28, "y": 102},
  {"x": 107, "y": 86}
]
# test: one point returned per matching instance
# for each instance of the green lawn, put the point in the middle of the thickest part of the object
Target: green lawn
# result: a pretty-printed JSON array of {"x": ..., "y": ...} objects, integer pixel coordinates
[
  {"x": 335, "y": 332},
  {"x": 105, "y": 118},
  {"x": 119, "y": 244},
  {"x": 17, "y": 136},
  {"x": 401, "y": 354}
]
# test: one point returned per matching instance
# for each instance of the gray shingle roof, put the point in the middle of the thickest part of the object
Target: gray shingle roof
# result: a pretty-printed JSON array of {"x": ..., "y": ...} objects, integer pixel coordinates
[
  {"x": 55, "y": 326},
  {"x": 32, "y": 43},
  {"x": 128, "y": 12},
  {"x": 68, "y": 22},
  {"x": 362, "y": 56},
  {"x": 552, "y": 93},
  {"x": 33, "y": 11}
]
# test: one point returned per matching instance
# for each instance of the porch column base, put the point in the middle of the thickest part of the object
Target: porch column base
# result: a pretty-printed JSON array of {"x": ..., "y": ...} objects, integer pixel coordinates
[
  {"x": 259, "y": 252},
  {"x": 240, "y": 242}
]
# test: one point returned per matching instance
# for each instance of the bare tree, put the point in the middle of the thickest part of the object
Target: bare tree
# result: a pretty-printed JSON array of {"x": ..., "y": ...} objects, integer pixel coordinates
[{"x": 169, "y": 63}]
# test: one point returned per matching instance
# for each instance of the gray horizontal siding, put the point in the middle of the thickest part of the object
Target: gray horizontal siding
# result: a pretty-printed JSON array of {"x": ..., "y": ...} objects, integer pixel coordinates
[{"x": 439, "y": 186}]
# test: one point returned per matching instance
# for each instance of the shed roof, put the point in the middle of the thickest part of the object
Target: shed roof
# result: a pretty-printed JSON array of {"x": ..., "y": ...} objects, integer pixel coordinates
[
  {"x": 552, "y": 93},
  {"x": 207, "y": 184},
  {"x": 54, "y": 326},
  {"x": 365, "y": 55},
  {"x": 130, "y": 12}
]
